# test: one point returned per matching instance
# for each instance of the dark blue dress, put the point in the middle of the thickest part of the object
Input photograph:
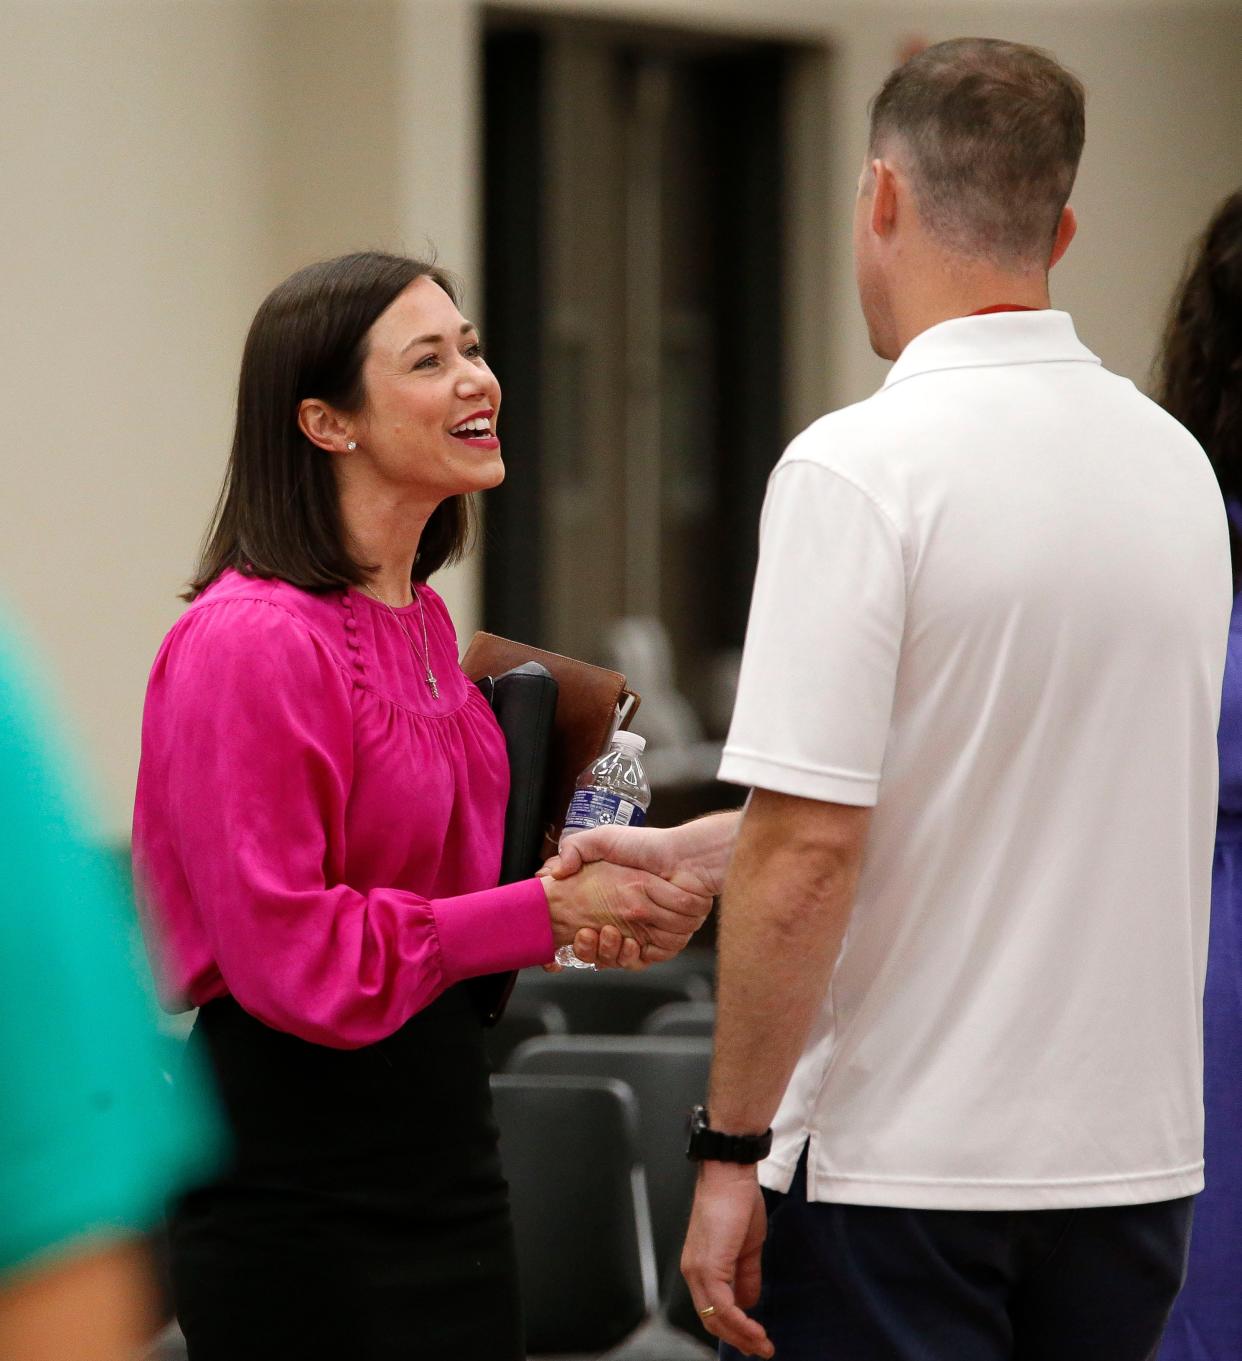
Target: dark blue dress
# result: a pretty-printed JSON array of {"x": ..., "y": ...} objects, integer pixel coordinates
[{"x": 1206, "y": 1324}]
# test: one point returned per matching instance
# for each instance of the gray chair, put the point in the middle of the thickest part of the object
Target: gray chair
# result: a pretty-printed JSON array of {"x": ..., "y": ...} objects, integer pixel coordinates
[
  {"x": 668, "y": 1076},
  {"x": 524, "y": 1018},
  {"x": 696, "y": 965},
  {"x": 682, "y": 1019},
  {"x": 580, "y": 1210},
  {"x": 611, "y": 1002},
  {"x": 657, "y": 1341}
]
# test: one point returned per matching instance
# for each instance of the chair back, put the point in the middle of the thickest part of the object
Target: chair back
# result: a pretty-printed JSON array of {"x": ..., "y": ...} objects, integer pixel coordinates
[
  {"x": 682, "y": 1019},
  {"x": 523, "y": 1019},
  {"x": 613, "y": 1002},
  {"x": 580, "y": 1210},
  {"x": 668, "y": 1075}
]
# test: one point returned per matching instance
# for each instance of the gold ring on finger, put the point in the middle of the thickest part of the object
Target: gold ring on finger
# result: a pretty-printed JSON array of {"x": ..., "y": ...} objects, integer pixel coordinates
[{"x": 708, "y": 1312}]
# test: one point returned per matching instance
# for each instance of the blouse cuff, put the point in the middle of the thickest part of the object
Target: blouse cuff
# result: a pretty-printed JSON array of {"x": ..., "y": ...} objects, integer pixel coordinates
[{"x": 495, "y": 930}]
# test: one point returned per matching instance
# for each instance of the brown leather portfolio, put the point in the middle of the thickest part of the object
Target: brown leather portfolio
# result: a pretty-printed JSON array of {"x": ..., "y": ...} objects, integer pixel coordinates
[{"x": 586, "y": 710}]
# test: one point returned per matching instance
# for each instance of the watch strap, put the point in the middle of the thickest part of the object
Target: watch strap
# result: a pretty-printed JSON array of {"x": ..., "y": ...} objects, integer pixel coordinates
[{"x": 712, "y": 1145}]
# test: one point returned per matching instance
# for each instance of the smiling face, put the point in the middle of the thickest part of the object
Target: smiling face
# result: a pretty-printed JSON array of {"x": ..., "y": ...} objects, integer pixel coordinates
[{"x": 428, "y": 425}]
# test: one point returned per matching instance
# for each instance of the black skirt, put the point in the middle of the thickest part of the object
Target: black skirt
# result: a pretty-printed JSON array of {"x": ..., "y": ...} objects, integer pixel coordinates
[{"x": 365, "y": 1217}]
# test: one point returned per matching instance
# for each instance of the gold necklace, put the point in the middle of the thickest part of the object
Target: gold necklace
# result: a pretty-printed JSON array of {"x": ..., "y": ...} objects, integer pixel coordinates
[{"x": 430, "y": 677}]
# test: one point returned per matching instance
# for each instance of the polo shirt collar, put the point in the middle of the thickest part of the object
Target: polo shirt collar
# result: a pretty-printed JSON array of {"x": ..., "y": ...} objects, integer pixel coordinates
[{"x": 1000, "y": 338}]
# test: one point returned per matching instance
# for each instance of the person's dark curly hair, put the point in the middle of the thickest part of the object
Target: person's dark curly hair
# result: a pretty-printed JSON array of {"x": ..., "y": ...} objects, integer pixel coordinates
[{"x": 1199, "y": 370}]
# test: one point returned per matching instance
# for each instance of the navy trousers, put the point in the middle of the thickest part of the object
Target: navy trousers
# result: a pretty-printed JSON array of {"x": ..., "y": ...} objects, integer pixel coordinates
[{"x": 865, "y": 1283}]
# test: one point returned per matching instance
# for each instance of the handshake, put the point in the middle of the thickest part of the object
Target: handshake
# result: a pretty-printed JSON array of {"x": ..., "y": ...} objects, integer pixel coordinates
[{"x": 629, "y": 897}]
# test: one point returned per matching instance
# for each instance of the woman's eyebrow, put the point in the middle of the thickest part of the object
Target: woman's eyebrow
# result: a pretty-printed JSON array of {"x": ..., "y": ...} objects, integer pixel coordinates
[{"x": 466, "y": 328}]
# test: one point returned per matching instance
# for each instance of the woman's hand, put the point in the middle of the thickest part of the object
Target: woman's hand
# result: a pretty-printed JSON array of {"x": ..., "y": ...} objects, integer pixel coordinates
[
  {"x": 606, "y": 949},
  {"x": 639, "y": 906}
]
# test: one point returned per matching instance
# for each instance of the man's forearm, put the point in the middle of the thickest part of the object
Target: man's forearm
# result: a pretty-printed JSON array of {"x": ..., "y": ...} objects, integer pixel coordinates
[
  {"x": 786, "y": 905},
  {"x": 706, "y": 845}
]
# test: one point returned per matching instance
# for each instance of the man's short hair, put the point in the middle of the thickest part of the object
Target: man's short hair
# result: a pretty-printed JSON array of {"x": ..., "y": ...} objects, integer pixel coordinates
[{"x": 994, "y": 132}]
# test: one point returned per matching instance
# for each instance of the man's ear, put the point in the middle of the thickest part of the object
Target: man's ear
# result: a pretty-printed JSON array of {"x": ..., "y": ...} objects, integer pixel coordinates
[
  {"x": 883, "y": 199},
  {"x": 1066, "y": 229},
  {"x": 323, "y": 425}
]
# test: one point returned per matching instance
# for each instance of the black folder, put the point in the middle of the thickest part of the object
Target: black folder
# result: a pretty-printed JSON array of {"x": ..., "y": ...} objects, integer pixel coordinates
[{"x": 524, "y": 702}]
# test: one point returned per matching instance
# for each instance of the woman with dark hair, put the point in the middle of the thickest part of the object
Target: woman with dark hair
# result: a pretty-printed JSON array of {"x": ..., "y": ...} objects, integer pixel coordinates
[
  {"x": 1200, "y": 382},
  {"x": 318, "y": 824}
]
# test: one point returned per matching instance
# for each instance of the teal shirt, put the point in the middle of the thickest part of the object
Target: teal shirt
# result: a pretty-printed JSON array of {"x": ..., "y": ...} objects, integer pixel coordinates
[{"x": 93, "y": 1132}]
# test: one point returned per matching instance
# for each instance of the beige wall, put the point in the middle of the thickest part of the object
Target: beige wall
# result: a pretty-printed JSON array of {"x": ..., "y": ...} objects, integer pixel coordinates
[
  {"x": 369, "y": 136},
  {"x": 134, "y": 225},
  {"x": 164, "y": 162}
]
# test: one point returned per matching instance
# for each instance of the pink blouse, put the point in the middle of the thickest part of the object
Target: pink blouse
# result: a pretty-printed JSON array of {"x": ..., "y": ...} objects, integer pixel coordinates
[{"x": 315, "y": 834}]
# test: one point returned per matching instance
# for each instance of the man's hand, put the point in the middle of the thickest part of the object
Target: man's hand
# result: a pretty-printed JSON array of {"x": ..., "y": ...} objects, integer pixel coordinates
[
  {"x": 722, "y": 1257},
  {"x": 659, "y": 916},
  {"x": 693, "y": 856}
]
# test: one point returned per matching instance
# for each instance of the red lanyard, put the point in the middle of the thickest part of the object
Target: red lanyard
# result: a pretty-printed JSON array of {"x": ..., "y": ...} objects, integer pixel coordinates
[{"x": 1003, "y": 307}]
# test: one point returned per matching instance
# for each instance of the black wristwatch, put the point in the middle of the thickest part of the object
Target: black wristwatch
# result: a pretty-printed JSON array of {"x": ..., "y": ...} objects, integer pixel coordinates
[{"x": 710, "y": 1145}]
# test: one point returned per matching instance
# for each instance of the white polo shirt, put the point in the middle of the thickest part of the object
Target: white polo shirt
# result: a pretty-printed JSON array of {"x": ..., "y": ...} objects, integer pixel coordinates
[{"x": 993, "y": 601}]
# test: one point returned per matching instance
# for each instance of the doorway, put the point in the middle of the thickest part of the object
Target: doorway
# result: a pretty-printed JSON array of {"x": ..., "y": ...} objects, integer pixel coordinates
[{"x": 636, "y": 306}]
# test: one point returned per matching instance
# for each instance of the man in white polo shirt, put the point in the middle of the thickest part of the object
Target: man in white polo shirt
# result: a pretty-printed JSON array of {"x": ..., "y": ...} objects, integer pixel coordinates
[{"x": 965, "y": 919}]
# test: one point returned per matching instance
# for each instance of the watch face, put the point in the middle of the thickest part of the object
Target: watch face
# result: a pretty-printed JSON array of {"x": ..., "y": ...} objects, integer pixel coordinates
[{"x": 698, "y": 1123}]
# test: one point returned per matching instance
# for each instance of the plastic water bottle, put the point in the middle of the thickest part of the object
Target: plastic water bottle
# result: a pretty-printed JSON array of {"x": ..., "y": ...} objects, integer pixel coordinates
[{"x": 611, "y": 791}]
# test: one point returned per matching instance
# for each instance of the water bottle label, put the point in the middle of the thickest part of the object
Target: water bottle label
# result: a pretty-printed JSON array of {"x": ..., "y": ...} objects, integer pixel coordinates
[{"x": 601, "y": 808}]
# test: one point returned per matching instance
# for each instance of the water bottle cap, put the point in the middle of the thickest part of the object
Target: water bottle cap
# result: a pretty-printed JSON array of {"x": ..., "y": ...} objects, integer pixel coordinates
[{"x": 629, "y": 741}]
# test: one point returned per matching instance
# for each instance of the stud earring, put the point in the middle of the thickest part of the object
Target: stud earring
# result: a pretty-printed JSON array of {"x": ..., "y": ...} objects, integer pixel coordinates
[{"x": 352, "y": 445}]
